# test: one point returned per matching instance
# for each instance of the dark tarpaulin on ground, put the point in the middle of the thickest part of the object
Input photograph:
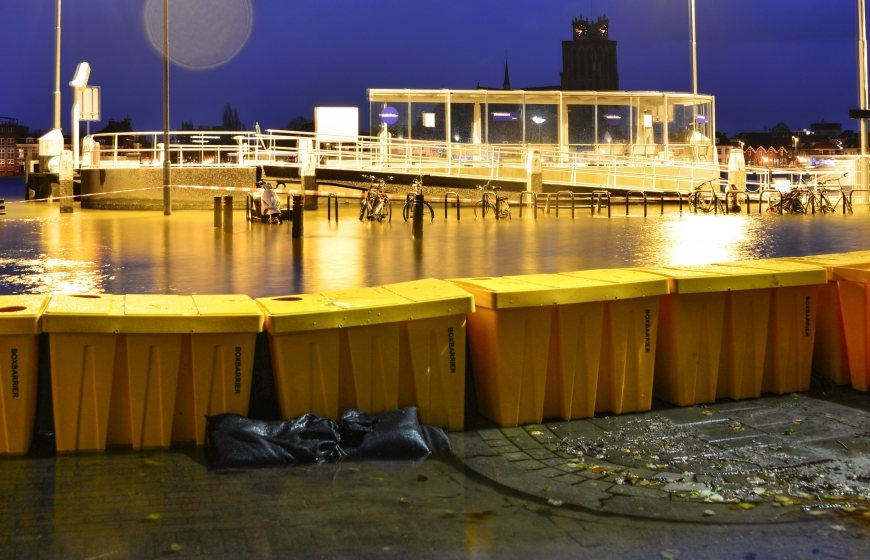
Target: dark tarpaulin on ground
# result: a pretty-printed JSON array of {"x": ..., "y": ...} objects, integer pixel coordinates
[{"x": 237, "y": 441}]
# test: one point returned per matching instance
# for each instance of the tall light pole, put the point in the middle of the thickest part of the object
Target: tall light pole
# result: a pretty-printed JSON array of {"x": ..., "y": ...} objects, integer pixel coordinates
[
  {"x": 862, "y": 94},
  {"x": 57, "y": 65},
  {"x": 862, "y": 72},
  {"x": 167, "y": 174},
  {"x": 694, "y": 48}
]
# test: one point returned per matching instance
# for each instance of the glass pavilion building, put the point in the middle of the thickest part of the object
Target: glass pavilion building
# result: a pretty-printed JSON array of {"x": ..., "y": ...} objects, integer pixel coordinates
[{"x": 660, "y": 125}]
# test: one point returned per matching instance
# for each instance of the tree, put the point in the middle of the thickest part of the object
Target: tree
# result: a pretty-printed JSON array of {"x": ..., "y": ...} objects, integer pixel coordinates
[
  {"x": 231, "y": 120},
  {"x": 300, "y": 124}
]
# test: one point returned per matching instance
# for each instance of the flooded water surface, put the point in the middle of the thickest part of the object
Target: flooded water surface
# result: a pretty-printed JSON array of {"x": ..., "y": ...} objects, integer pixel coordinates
[{"x": 44, "y": 251}]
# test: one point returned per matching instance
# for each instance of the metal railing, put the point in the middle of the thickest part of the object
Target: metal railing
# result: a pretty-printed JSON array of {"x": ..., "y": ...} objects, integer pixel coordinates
[{"x": 663, "y": 171}]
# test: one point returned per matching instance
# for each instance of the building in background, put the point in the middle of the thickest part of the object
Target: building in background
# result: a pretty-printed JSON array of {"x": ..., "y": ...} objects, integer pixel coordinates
[
  {"x": 10, "y": 132},
  {"x": 589, "y": 58}
]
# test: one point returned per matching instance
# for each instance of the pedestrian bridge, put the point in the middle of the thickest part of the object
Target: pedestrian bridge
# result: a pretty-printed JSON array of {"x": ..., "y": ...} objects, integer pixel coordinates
[{"x": 294, "y": 154}]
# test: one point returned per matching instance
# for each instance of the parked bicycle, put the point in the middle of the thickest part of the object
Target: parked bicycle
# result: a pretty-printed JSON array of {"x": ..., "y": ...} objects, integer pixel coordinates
[
  {"x": 792, "y": 202},
  {"x": 375, "y": 204},
  {"x": 411, "y": 198},
  {"x": 492, "y": 201},
  {"x": 705, "y": 200}
]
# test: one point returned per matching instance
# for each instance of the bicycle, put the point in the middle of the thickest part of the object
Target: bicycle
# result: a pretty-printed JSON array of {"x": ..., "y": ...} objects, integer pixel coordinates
[
  {"x": 411, "y": 200},
  {"x": 705, "y": 201},
  {"x": 792, "y": 202},
  {"x": 847, "y": 202},
  {"x": 375, "y": 204},
  {"x": 501, "y": 207}
]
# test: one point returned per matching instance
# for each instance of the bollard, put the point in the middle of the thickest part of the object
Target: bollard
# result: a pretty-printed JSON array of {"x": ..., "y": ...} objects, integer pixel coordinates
[
  {"x": 228, "y": 214},
  {"x": 418, "y": 216},
  {"x": 297, "y": 229},
  {"x": 217, "y": 212}
]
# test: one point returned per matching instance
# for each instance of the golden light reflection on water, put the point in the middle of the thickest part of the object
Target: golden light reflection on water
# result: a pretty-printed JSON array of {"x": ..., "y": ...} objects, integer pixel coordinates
[
  {"x": 92, "y": 251},
  {"x": 53, "y": 275},
  {"x": 705, "y": 239}
]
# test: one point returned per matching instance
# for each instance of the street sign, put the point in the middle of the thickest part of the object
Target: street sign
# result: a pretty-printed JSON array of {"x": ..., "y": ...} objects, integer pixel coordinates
[
  {"x": 89, "y": 103},
  {"x": 859, "y": 113}
]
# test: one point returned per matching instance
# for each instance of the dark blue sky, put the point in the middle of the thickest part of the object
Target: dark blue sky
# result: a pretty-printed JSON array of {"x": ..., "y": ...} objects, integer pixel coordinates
[{"x": 766, "y": 61}]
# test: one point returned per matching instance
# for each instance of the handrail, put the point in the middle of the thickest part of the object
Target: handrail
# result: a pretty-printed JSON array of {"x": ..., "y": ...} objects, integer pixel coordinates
[
  {"x": 598, "y": 195},
  {"x": 534, "y": 203},
  {"x": 769, "y": 192},
  {"x": 570, "y": 196},
  {"x": 679, "y": 196},
  {"x": 628, "y": 195},
  {"x": 447, "y": 196}
]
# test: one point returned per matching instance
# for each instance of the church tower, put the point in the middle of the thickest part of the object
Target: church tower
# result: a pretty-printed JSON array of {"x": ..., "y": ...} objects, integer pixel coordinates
[{"x": 589, "y": 59}]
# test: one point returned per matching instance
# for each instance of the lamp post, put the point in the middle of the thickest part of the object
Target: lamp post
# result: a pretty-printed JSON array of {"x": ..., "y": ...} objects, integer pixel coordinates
[
  {"x": 167, "y": 174},
  {"x": 694, "y": 48},
  {"x": 862, "y": 90},
  {"x": 57, "y": 65}
]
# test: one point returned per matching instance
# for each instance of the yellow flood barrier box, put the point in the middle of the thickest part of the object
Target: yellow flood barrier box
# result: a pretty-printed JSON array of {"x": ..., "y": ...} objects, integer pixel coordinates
[
  {"x": 854, "y": 289},
  {"x": 218, "y": 364},
  {"x": 82, "y": 339},
  {"x": 628, "y": 345},
  {"x": 829, "y": 349},
  {"x": 373, "y": 349},
  {"x": 153, "y": 332},
  {"x": 708, "y": 339},
  {"x": 19, "y": 369},
  {"x": 432, "y": 350},
  {"x": 792, "y": 325},
  {"x": 540, "y": 343}
]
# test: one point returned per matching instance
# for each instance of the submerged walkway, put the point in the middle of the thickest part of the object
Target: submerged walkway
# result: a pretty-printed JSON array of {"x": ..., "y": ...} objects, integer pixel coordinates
[{"x": 763, "y": 478}]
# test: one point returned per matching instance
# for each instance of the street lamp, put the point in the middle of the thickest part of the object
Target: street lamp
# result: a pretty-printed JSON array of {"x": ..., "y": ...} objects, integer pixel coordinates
[
  {"x": 694, "y": 48},
  {"x": 167, "y": 196}
]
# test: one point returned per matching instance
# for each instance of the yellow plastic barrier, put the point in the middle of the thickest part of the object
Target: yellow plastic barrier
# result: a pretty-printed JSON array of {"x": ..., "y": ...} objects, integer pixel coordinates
[
  {"x": 217, "y": 367},
  {"x": 854, "y": 289},
  {"x": 509, "y": 337},
  {"x": 708, "y": 341},
  {"x": 19, "y": 353},
  {"x": 792, "y": 326},
  {"x": 432, "y": 351},
  {"x": 537, "y": 342},
  {"x": 81, "y": 331},
  {"x": 829, "y": 349},
  {"x": 152, "y": 334},
  {"x": 628, "y": 346},
  {"x": 374, "y": 349}
]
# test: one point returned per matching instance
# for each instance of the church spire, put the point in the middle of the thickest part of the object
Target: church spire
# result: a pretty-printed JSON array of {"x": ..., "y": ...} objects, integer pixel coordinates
[{"x": 507, "y": 76}]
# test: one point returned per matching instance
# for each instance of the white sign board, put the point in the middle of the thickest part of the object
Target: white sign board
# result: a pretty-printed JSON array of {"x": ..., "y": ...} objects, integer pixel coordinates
[
  {"x": 336, "y": 124},
  {"x": 89, "y": 103}
]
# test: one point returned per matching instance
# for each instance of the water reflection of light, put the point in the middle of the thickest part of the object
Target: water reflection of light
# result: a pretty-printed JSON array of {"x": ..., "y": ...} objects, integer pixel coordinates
[
  {"x": 704, "y": 239},
  {"x": 52, "y": 275}
]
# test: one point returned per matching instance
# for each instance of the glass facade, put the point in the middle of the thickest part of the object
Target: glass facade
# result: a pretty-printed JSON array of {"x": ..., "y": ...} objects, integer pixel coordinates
[{"x": 634, "y": 124}]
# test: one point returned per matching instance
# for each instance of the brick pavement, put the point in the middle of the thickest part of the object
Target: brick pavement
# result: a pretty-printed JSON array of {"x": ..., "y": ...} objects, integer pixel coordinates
[{"x": 507, "y": 493}]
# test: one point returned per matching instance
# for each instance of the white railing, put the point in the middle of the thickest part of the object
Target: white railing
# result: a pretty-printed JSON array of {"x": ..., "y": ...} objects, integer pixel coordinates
[{"x": 680, "y": 167}]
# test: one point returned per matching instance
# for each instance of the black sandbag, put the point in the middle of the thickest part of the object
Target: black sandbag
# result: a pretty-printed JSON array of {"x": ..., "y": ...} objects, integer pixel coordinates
[
  {"x": 396, "y": 434},
  {"x": 236, "y": 441}
]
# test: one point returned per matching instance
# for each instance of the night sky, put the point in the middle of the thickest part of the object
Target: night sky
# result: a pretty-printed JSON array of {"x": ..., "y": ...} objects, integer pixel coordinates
[{"x": 766, "y": 61}]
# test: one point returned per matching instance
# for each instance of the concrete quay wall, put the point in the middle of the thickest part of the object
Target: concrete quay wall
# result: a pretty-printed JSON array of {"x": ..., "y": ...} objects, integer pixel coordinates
[{"x": 142, "y": 188}]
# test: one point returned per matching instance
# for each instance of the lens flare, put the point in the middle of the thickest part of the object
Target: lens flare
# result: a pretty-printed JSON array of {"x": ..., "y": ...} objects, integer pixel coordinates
[{"x": 203, "y": 34}]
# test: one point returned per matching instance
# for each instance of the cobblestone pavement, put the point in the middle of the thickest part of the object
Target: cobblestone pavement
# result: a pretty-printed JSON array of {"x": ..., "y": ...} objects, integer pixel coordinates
[{"x": 558, "y": 490}]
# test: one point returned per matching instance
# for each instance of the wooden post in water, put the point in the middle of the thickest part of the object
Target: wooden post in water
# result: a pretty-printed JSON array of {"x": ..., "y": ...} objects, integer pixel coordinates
[
  {"x": 296, "y": 231},
  {"x": 228, "y": 214}
]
